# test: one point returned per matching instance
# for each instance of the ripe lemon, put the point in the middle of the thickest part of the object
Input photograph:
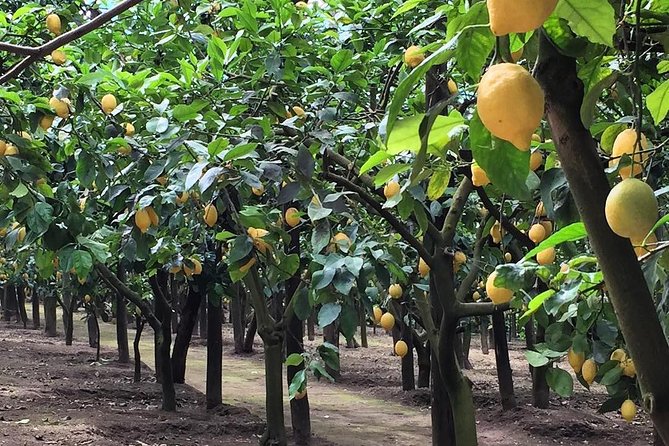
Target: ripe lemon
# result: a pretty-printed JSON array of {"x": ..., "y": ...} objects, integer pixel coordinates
[
  {"x": 540, "y": 210},
  {"x": 628, "y": 368},
  {"x": 536, "y": 159},
  {"x": 299, "y": 111},
  {"x": 21, "y": 234},
  {"x": 142, "y": 220},
  {"x": 631, "y": 209},
  {"x": 459, "y": 258},
  {"x": 53, "y": 24},
  {"x": 11, "y": 150},
  {"x": 197, "y": 268},
  {"x": 182, "y": 198},
  {"x": 387, "y": 321},
  {"x": 3, "y": 147},
  {"x": 378, "y": 312},
  {"x": 258, "y": 191},
  {"x": 589, "y": 371},
  {"x": 108, "y": 103},
  {"x": 452, "y": 86},
  {"x": 537, "y": 233},
  {"x": 548, "y": 226},
  {"x": 46, "y": 122},
  {"x": 257, "y": 235},
  {"x": 423, "y": 268},
  {"x": 174, "y": 269},
  {"x": 618, "y": 355},
  {"x": 341, "y": 239},
  {"x": 510, "y": 103},
  {"x": 292, "y": 217},
  {"x": 129, "y": 129},
  {"x": 401, "y": 349},
  {"x": 153, "y": 216},
  {"x": 518, "y": 16},
  {"x": 391, "y": 189},
  {"x": 496, "y": 232},
  {"x": 61, "y": 107},
  {"x": 497, "y": 295},
  {"x": 210, "y": 215},
  {"x": 576, "y": 360},
  {"x": 625, "y": 144},
  {"x": 413, "y": 56},
  {"x": 479, "y": 177},
  {"x": 546, "y": 256},
  {"x": 58, "y": 57},
  {"x": 628, "y": 410},
  {"x": 395, "y": 291}
]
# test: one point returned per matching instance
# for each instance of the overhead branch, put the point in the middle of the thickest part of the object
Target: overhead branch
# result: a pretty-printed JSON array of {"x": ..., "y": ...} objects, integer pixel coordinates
[
  {"x": 36, "y": 53},
  {"x": 456, "y": 210},
  {"x": 470, "y": 278},
  {"x": 397, "y": 225},
  {"x": 368, "y": 181},
  {"x": 522, "y": 238},
  {"x": 468, "y": 309},
  {"x": 134, "y": 297}
]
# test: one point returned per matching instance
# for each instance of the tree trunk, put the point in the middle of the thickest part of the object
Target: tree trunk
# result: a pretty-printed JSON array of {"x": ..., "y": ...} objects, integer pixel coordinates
[
  {"x": 513, "y": 330},
  {"x": 202, "y": 323},
  {"x": 122, "y": 323},
  {"x": 68, "y": 318},
  {"x": 92, "y": 327},
  {"x": 214, "y": 352},
  {"x": 311, "y": 326},
  {"x": 631, "y": 299},
  {"x": 408, "y": 377},
  {"x": 139, "y": 327},
  {"x": 35, "y": 309},
  {"x": 504, "y": 373},
  {"x": 540, "y": 389},
  {"x": 331, "y": 335},
  {"x": 164, "y": 339},
  {"x": 8, "y": 303},
  {"x": 50, "y": 316},
  {"x": 21, "y": 300},
  {"x": 97, "y": 340},
  {"x": 189, "y": 315},
  {"x": 276, "y": 429},
  {"x": 237, "y": 309},
  {"x": 530, "y": 339},
  {"x": 250, "y": 335},
  {"x": 423, "y": 353},
  {"x": 484, "y": 324},
  {"x": 363, "y": 326}
]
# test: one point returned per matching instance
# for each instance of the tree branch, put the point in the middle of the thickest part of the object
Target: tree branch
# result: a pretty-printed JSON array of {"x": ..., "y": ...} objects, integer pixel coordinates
[
  {"x": 116, "y": 283},
  {"x": 399, "y": 226},
  {"x": 468, "y": 309},
  {"x": 36, "y": 53},
  {"x": 523, "y": 239},
  {"x": 456, "y": 210},
  {"x": 470, "y": 278}
]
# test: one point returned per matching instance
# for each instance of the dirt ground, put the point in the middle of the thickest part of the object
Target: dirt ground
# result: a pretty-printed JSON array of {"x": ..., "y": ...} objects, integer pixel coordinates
[{"x": 54, "y": 394}]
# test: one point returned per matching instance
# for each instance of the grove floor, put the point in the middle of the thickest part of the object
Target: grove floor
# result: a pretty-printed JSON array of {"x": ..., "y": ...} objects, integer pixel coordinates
[{"x": 56, "y": 394}]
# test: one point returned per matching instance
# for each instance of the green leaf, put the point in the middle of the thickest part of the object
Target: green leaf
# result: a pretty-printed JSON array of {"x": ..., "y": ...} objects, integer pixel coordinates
[
  {"x": 406, "y": 136},
  {"x": 609, "y": 136},
  {"x": 536, "y": 359},
  {"x": 506, "y": 167},
  {"x": 40, "y": 218},
  {"x": 594, "y": 19},
  {"x": 535, "y": 304},
  {"x": 439, "y": 181},
  {"x": 328, "y": 314},
  {"x": 475, "y": 41},
  {"x": 612, "y": 376},
  {"x": 407, "y": 6},
  {"x": 573, "y": 232},
  {"x": 388, "y": 172},
  {"x": 560, "y": 381},
  {"x": 294, "y": 359},
  {"x": 341, "y": 60},
  {"x": 82, "y": 262},
  {"x": 374, "y": 161},
  {"x": 658, "y": 102},
  {"x": 241, "y": 247},
  {"x": 99, "y": 250},
  {"x": 297, "y": 383}
]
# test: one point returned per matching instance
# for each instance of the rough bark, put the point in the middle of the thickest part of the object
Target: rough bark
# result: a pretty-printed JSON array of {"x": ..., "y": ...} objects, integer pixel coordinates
[
  {"x": 485, "y": 349},
  {"x": 50, "y": 316},
  {"x": 504, "y": 373},
  {"x": 423, "y": 359},
  {"x": 92, "y": 330},
  {"x": 237, "y": 307},
  {"x": 202, "y": 320},
  {"x": 159, "y": 287},
  {"x": 631, "y": 299},
  {"x": 122, "y": 323},
  {"x": 250, "y": 335},
  {"x": 189, "y": 316},
  {"x": 214, "y": 389}
]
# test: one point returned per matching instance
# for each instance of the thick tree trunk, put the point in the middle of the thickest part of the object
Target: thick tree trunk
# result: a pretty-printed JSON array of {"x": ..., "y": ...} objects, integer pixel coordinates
[
  {"x": 97, "y": 340},
  {"x": 311, "y": 326},
  {"x": 164, "y": 339},
  {"x": 139, "y": 327},
  {"x": 202, "y": 322},
  {"x": 631, "y": 299},
  {"x": 408, "y": 377},
  {"x": 363, "y": 326},
  {"x": 91, "y": 325},
  {"x": 50, "y": 316},
  {"x": 250, "y": 335},
  {"x": 504, "y": 373},
  {"x": 189, "y": 315},
  {"x": 122, "y": 324},
  {"x": 276, "y": 429},
  {"x": 485, "y": 348},
  {"x": 214, "y": 353},
  {"x": 423, "y": 353},
  {"x": 68, "y": 318},
  {"x": 9, "y": 307},
  {"x": 237, "y": 309},
  {"x": 331, "y": 335},
  {"x": 35, "y": 310}
]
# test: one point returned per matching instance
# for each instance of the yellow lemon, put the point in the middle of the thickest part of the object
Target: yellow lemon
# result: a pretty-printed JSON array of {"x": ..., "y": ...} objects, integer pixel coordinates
[
  {"x": 413, "y": 56},
  {"x": 46, "y": 121},
  {"x": 626, "y": 144},
  {"x": 459, "y": 258},
  {"x": 497, "y": 295},
  {"x": 258, "y": 191},
  {"x": 423, "y": 268},
  {"x": 576, "y": 360},
  {"x": 142, "y": 220},
  {"x": 618, "y": 355},
  {"x": 395, "y": 291},
  {"x": 476, "y": 296},
  {"x": 153, "y": 217},
  {"x": 129, "y": 129},
  {"x": 108, "y": 103},
  {"x": 391, "y": 189},
  {"x": 518, "y": 16},
  {"x": 58, "y": 57},
  {"x": 479, "y": 177},
  {"x": 182, "y": 198},
  {"x": 401, "y": 349},
  {"x": 510, "y": 103},
  {"x": 21, "y": 234},
  {"x": 628, "y": 368},
  {"x": 536, "y": 159},
  {"x": 537, "y": 233},
  {"x": 540, "y": 210},
  {"x": 548, "y": 226},
  {"x": 299, "y": 111},
  {"x": 631, "y": 208},
  {"x": 197, "y": 268},
  {"x": 174, "y": 269},
  {"x": 11, "y": 150},
  {"x": 292, "y": 217},
  {"x": 546, "y": 256},
  {"x": 378, "y": 312},
  {"x": 452, "y": 86},
  {"x": 387, "y": 321},
  {"x": 53, "y": 24},
  {"x": 589, "y": 371},
  {"x": 628, "y": 410},
  {"x": 496, "y": 232},
  {"x": 61, "y": 107},
  {"x": 210, "y": 215},
  {"x": 507, "y": 256}
]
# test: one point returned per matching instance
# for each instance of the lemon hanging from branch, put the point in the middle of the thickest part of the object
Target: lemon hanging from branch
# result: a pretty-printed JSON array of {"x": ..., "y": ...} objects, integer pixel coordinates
[{"x": 518, "y": 16}]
